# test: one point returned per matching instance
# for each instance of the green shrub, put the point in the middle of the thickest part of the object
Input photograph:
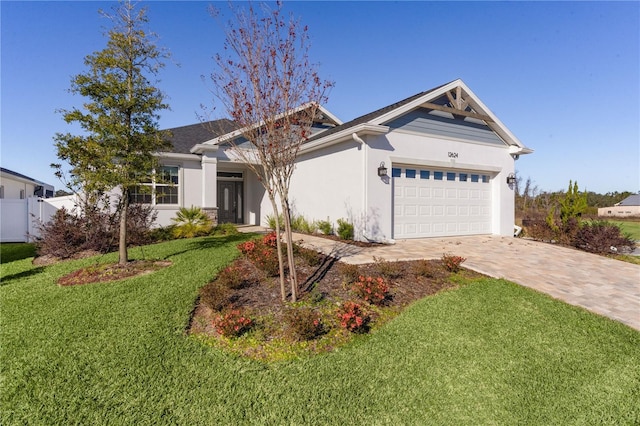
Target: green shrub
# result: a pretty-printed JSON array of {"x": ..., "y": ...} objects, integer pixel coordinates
[
  {"x": 325, "y": 227},
  {"x": 163, "y": 233},
  {"x": 191, "y": 222},
  {"x": 225, "y": 229},
  {"x": 345, "y": 229},
  {"x": 301, "y": 224},
  {"x": 303, "y": 323},
  {"x": 271, "y": 221}
]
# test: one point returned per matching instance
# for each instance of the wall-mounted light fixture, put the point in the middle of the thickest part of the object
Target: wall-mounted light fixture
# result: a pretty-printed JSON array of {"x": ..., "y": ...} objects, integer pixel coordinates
[
  {"x": 382, "y": 170},
  {"x": 511, "y": 179}
]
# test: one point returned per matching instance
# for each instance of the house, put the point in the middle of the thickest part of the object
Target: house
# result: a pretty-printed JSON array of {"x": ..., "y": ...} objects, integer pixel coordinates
[
  {"x": 630, "y": 206},
  {"x": 439, "y": 163},
  {"x": 19, "y": 195}
]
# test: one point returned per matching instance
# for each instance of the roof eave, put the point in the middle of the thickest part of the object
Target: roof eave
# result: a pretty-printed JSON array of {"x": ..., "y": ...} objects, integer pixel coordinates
[{"x": 362, "y": 129}]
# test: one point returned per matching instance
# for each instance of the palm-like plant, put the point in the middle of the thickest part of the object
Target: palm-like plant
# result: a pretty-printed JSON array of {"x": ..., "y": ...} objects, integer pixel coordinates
[{"x": 191, "y": 222}]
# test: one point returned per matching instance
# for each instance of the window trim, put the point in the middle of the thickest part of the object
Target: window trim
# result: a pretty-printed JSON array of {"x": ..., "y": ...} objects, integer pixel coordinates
[{"x": 154, "y": 184}]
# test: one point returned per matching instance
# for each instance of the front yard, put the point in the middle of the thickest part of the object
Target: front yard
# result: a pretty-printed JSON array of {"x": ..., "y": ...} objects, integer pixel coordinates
[{"x": 488, "y": 352}]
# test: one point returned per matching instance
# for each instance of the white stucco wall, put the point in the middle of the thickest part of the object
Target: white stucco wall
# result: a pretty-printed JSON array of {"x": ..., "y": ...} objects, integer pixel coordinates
[
  {"x": 327, "y": 184},
  {"x": 619, "y": 211}
]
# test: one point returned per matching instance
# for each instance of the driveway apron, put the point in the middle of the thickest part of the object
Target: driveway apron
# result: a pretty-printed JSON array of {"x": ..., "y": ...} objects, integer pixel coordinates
[{"x": 605, "y": 286}]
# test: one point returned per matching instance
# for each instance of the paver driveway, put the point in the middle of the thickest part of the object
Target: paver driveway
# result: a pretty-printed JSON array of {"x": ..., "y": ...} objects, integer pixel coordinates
[{"x": 605, "y": 286}]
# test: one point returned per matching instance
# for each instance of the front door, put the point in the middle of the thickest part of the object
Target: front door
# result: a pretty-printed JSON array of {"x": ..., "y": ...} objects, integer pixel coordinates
[{"x": 230, "y": 202}]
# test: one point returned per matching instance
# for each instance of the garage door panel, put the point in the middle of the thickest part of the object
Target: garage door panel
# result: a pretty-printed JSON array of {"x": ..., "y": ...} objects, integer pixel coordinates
[{"x": 455, "y": 205}]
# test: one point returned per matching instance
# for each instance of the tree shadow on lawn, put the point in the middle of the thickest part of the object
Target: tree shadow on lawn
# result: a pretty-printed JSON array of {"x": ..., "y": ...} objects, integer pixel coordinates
[{"x": 34, "y": 271}]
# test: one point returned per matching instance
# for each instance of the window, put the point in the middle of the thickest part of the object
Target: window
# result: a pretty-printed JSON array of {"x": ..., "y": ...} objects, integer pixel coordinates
[
  {"x": 230, "y": 175},
  {"x": 22, "y": 194},
  {"x": 140, "y": 194},
  {"x": 162, "y": 189},
  {"x": 463, "y": 177},
  {"x": 166, "y": 187},
  {"x": 438, "y": 175},
  {"x": 475, "y": 178},
  {"x": 1, "y": 191},
  {"x": 424, "y": 174},
  {"x": 410, "y": 174},
  {"x": 485, "y": 179},
  {"x": 395, "y": 172},
  {"x": 451, "y": 176}
]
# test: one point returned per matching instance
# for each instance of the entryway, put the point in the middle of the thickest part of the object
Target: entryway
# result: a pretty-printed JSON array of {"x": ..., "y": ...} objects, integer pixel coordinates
[{"x": 230, "y": 202}]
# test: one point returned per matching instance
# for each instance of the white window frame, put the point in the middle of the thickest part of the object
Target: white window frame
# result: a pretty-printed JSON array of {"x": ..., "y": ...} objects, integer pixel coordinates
[{"x": 154, "y": 184}]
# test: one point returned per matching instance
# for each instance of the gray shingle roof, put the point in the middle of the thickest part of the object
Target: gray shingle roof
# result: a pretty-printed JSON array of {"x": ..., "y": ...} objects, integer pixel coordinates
[
  {"x": 184, "y": 138},
  {"x": 631, "y": 200}
]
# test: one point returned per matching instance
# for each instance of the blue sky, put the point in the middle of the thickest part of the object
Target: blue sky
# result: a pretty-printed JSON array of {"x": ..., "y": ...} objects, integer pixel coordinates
[{"x": 564, "y": 77}]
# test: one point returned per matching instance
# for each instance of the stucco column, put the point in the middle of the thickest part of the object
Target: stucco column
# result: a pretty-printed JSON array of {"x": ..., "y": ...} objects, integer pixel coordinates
[
  {"x": 209, "y": 185},
  {"x": 209, "y": 166}
]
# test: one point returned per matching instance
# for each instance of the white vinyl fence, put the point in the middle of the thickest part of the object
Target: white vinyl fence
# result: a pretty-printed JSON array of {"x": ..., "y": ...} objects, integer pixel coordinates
[{"x": 19, "y": 218}]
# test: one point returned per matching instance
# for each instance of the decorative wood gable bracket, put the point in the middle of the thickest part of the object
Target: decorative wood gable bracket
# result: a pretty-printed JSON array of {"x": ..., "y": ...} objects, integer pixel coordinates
[{"x": 459, "y": 106}]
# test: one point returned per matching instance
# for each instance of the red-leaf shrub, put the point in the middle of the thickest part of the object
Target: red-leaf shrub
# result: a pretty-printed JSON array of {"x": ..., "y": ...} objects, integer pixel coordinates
[
  {"x": 303, "y": 322},
  {"x": 232, "y": 323},
  {"x": 602, "y": 237},
  {"x": 67, "y": 234},
  {"x": 270, "y": 240},
  {"x": 247, "y": 247},
  {"x": 262, "y": 255},
  {"x": 371, "y": 290},
  {"x": 452, "y": 263},
  {"x": 216, "y": 296},
  {"x": 233, "y": 277},
  {"x": 353, "y": 318}
]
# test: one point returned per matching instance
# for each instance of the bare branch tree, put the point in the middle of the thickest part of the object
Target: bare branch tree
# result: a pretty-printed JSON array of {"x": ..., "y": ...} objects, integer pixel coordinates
[{"x": 269, "y": 88}]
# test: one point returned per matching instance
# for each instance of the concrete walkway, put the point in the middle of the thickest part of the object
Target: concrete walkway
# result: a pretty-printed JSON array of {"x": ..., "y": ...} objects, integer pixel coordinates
[{"x": 605, "y": 286}]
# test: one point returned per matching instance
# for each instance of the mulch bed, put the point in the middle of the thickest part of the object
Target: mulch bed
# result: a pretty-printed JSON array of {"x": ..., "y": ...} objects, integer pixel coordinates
[
  {"x": 112, "y": 272},
  {"x": 409, "y": 281}
]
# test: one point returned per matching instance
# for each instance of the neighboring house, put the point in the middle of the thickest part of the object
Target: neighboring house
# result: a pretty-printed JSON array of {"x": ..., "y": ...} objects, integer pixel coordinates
[
  {"x": 630, "y": 206},
  {"x": 19, "y": 195},
  {"x": 435, "y": 164}
]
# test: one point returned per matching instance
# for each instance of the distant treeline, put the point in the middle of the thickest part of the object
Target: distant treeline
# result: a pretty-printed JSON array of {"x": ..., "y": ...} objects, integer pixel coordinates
[{"x": 531, "y": 201}]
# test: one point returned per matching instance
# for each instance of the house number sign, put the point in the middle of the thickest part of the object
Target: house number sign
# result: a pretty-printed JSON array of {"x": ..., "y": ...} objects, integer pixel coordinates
[{"x": 453, "y": 154}]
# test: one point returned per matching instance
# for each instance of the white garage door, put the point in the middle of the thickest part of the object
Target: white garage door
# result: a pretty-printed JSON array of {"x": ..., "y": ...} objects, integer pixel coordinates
[{"x": 432, "y": 203}]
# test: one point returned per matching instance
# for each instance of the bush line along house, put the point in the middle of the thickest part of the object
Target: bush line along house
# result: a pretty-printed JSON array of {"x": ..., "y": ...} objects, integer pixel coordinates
[{"x": 436, "y": 164}]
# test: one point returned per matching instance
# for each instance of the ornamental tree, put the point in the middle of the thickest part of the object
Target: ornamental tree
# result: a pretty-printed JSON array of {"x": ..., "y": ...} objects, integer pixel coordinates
[
  {"x": 120, "y": 116},
  {"x": 267, "y": 85}
]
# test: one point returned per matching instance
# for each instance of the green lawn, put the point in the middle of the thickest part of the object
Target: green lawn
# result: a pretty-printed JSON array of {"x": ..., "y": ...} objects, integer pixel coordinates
[
  {"x": 490, "y": 352},
  {"x": 10, "y": 252}
]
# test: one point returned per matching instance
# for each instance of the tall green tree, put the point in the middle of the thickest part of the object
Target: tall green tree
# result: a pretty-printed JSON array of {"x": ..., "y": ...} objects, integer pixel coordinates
[
  {"x": 120, "y": 116},
  {"x": 573, "y": 204}
]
